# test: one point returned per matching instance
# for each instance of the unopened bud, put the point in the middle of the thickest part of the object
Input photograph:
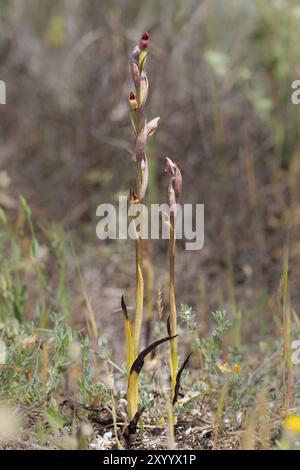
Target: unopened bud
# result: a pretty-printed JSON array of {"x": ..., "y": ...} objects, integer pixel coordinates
[
  {"x": 152, "y": 126},
  {"x": 176, "y": 178},
  {"x": 144, "y": 41},
  {"x": 170, "y": 167}
]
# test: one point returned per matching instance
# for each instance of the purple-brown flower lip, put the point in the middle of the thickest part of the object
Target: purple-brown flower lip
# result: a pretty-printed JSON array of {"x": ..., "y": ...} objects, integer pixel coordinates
[
  {"x": 133, "y": 198},
  {"x": 133, "y": 101}
]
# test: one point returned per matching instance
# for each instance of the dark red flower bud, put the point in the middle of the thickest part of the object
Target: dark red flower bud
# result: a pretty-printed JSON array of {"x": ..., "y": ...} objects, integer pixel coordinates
[{"x": 144, "y": 41}]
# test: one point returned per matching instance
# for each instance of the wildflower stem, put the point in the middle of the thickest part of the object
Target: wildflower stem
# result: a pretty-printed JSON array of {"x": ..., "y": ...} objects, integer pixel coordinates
[
  {"x": 173, "y": 317},
  {"x": 174, "y": 191},
  {"x": 142, "y": 129},
  {"x": 139, "y": 295},
  {"x": 133, "y": 398},
  {"x": 139, "y": 253}
]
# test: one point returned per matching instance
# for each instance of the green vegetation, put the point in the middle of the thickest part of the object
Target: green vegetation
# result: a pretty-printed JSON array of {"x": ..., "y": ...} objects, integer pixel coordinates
[{"x": 107, "y": 347}]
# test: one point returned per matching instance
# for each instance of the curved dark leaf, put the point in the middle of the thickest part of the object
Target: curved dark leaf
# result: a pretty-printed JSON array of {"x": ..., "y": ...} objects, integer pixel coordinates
[
  {"x": 178, "y": 378},
  {"x": 140, "y": 360}
]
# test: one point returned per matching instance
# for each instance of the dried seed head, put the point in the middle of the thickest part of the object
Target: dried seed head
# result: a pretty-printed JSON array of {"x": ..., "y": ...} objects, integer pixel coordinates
[
  {"x": 144, "y": 41},
  {"x": 176, "y": 178},
  {"x": 133, "y": 101}
]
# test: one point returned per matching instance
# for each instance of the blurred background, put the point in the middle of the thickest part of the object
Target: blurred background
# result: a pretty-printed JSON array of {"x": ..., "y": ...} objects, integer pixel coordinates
[{"x": 220, "y": 78}]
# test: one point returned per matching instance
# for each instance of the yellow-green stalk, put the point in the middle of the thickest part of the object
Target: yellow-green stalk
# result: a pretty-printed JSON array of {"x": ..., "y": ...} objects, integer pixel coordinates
[
  {"x": 133, "y": 394},
  {"x": 173, "y": 310},
  {"x": 139, "y": 296},
  {"x": 128, "y": 335}
]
